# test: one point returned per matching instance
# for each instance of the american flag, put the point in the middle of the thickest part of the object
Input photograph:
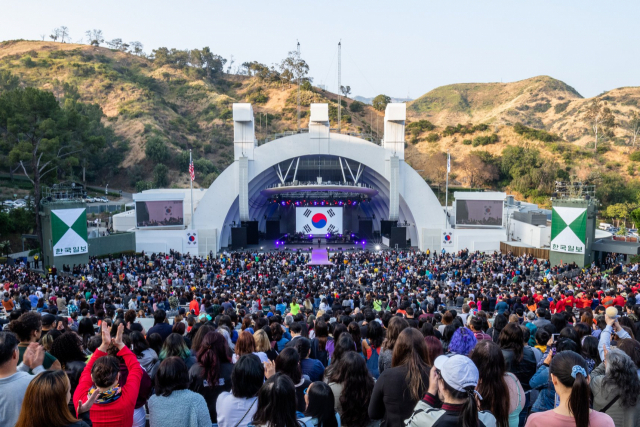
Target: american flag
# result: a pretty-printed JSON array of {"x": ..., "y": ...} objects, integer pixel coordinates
[{"x": 192, "y": 171}]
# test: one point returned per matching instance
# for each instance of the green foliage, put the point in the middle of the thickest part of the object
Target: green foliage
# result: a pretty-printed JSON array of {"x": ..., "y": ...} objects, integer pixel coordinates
[
  {"x": 631, "y": 169},
  {"x": 541, "y": 107},
  {"x": 206, "y": 62},
  {"x": 485, "y": 140},
  {"x": 380, "y": 102},
  {"x": 528, "y": 172},
  {"x": 156, "y": 149},
  {"x": 635, "y": 156},
  {"x": 464, "y": 129},
  {"x": 611, "y": 188},
  {"x": 306, "y": 85},
  {"x": 204, "y": 167},
  {"x": 8, "y": 81},
  {"x": 535, "y": 134},
  {"x": 208, "y": 180},
  {"x": 560, "y": 107},
  {"x": 28, "y": 62},
  {"x": 160, "y": 175},
  {"x": 356, "y": 107},
  {"x": 420, "y": 126},
  {"x": 18, "y": 221},
  {"x": 635, "y": 217},
  {"x": 433, "y": 137},
  {"x": 466, "y": 142},
  {"x": 143, "y": 185}
]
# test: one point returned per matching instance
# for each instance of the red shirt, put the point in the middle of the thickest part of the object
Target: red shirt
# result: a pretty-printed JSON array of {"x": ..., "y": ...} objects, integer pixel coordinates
[
  {"x": 619, "y": 300},
  {"x": 560, "y": 306},
  {"x": 570, "y": 301},
  {"x": 120, "y": 412}
]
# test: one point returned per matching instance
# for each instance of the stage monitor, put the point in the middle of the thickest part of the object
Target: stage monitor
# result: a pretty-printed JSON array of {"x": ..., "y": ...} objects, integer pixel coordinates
[
  {"x": 316, "y": 221},
  {"x": 479, "y": 213},
  {"x": 159, "y": 213}
]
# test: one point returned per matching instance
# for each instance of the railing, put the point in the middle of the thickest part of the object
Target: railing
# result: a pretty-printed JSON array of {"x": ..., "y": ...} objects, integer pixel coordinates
[
  {"x": 323, "y": 183},
  {"x": 366, "y": 136}
]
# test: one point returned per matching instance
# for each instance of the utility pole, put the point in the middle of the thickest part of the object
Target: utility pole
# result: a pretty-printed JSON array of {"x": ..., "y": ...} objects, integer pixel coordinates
[
  {"x": 298, "y": 89},
  {"x": 339, "y": 84}
]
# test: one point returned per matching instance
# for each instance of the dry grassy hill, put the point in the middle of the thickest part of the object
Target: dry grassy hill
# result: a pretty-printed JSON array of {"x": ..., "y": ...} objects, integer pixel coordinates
[{"x": 141, "y": 100}]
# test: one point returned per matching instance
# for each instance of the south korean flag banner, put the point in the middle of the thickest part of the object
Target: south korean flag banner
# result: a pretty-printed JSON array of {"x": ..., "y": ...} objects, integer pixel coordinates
[
  {"x": 447, "y": 238},
  {"x": 191, "y": 239},
  {"x": 318, "y": 220}
]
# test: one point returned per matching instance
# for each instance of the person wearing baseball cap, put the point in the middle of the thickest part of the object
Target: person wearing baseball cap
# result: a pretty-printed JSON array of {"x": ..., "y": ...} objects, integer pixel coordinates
[{"x": 452, "y": 399}]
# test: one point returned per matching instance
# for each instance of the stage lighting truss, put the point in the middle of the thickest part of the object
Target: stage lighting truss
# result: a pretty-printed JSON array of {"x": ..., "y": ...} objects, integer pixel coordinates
[{"x": 338, "y": 199}]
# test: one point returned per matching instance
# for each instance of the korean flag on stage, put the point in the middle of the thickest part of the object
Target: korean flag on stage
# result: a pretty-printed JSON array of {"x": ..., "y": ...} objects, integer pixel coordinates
[{"x": 315, "y": 220}]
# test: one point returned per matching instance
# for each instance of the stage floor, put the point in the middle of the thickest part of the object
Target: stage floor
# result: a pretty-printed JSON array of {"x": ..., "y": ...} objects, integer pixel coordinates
[
  {"x": 319, "y": 257},
  {"x": 269, "y": 245}
]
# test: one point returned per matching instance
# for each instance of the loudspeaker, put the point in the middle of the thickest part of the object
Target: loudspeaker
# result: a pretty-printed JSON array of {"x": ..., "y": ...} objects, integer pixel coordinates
[
  {"x": 398, "y": 237},
  {"x": 365, "y": 228},
  {"x": 273, "y": 229},
  {"x": 253, "y": 238},
  {"x": 385, "y": 227},
  {"x": 238, "y": 237}
]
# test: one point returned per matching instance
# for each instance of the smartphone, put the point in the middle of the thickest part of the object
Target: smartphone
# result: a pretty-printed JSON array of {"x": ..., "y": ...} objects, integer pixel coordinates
[{"x": 554, "y": 343}]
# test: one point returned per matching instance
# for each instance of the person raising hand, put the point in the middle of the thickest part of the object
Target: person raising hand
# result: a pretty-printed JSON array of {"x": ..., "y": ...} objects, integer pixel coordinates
[{"x": 114, "y": 405}]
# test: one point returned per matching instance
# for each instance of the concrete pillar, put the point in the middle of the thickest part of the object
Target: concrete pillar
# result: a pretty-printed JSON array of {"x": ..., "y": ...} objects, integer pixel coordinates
[
  {"x": 393, "y": 141},
  {"x": 243, "y": 187},
  {"x": 244, "y": 136},
  {"x": 394, "y": 191},
  {"x": 319, "y": 127}
]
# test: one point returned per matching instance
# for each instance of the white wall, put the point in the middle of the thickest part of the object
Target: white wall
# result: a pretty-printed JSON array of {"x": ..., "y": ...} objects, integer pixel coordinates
[
  {"x": 124, "y": 221},
  {"x": 487, "y": 240},
  {"x": 537, "y": 236},
  {"x": 161, "y": 241}
]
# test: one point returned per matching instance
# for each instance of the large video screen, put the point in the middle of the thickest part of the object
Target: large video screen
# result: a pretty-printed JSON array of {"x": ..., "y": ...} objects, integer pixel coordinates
[
  {"x": 164, "y": 213},
  {"x": 314, "y": 220},
  {"x": 479, "y": 213}
]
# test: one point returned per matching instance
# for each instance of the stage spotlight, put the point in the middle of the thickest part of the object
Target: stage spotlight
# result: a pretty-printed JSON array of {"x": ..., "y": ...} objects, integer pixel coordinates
[
  {"x": 364, "y": 243},
  {"x": 283, "y": 203},
  {"x": 377, "y": 247}
]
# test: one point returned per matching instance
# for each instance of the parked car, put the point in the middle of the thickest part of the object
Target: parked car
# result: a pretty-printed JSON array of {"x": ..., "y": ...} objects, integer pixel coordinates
[
  {"x": 89, "y": 200},
  {"x": 8, "y": 203}
]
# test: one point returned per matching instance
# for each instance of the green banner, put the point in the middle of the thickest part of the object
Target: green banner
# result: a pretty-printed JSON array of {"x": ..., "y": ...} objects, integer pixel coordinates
[
  {"x": 69, "y": 232},
  {"x": 568, "y": 229}
]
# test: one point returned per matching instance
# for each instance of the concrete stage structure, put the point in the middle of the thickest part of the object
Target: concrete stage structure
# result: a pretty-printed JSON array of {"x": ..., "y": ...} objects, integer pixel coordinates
[{"x": 316, "y": 163}]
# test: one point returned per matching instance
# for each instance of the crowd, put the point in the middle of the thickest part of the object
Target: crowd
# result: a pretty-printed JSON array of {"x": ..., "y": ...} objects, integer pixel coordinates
[{"x": 387, "y": 338}]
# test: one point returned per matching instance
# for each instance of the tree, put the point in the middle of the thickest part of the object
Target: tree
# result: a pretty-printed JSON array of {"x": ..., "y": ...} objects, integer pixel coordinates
[
  {"x": 346, "y": 91},
  {"x": 55, "y": 34},
  {"x": 293, "y": 67},
  {"x": 64, "y": 34},
  {"x": 160, "y": 175},
  {"x": 356, "y": 107},
  {"x": 41, "y": 136},
  {"x": 635, "y": 217},
  {"x": 478, "y": 171},
  {"x": 95, "y": 37},
  {"x": 633, "y": 125},
  {"x": 601, "y": 120},
  {"x": 136, "y": 48},
  {"x": 115, "y": 44},
  {"x": 156, "y": 150},
  {"x": 380, "y": 102},
  {"x": 8, "y": 81}
]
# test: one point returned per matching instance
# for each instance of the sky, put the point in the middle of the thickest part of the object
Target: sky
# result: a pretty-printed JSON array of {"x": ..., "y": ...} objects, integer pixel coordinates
[{"x": 400, "y": 48}]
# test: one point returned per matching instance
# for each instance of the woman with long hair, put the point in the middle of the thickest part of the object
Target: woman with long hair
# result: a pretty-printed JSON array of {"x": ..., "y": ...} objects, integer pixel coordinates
[
  {"x": 320, "y": 406},
  {"x": 321, "y": 340},
  {"x": 501, "y": 392},
  {"x": 86, "y": 330},
  {"x": 434, "y": 349},
  {"x": 371, "y": 347},
  {"x": 173, "y": 403},
  {"x": 245, "y": 345},
  {"x": 568, "y": 372},
  {"x": 28, "y": 328},
  {"x": 288, "y": 363},
  {"x": 409, "y": 372},
  {"x": 174, "y": 346},
  {"x": 211, "y": 374},
  {"x": 236, "y": 408},
  {"x": 145, "y": 354},
  {"x": 277, "y": 403},
  {"x": 352, "y": 385},
  {"x": 499, "y": 322},
  {"x": 396, "y": 325},
  {"x": 616, "y": 380},
  {"x": 45, "y": 402},
  {"x": 519, "y": 360}
]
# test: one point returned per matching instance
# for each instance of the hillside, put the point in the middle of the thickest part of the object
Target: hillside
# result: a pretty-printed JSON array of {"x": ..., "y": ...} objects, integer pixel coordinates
[
  {"x": 519, "y": 136},
  {"x": 184, "y": 108}
]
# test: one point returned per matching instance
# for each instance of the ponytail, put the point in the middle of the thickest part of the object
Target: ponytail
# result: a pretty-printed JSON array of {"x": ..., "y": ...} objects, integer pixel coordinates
[
  {"x": 571, "y": 370},
  {"x": 469, "y": 412}
]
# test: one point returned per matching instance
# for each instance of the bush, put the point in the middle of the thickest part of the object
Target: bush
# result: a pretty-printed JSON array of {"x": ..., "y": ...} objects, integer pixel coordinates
[
  {"x": 156, "y": 150},
  {"x": 433, "y": 137},
  {"x": 208, "y": 180},
  {"x": 485, "y": 140},
  {"x": 535, "y": 134},
  {"x": 204, "y": 166},
  {"x": 356, "y": 107},
  {"x": 142, "y": 185},
  {"x": 635, "y": 156},
  {"x": 466, "y": 142},
  {"x": 160, "y": 175},
  {"x": 306, "y": 86},
  {"x": 559, "y": 108}
]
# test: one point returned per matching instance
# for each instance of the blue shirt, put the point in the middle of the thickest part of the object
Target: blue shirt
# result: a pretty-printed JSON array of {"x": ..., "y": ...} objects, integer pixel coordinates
[
  {"x": 313, "y": 368},
  {"x": 501, "y": 307}
]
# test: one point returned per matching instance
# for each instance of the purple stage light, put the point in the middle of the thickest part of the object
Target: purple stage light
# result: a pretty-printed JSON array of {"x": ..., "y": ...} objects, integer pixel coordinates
[
  {"x": 340, "y": 203},
  {"x": 354, "y": 203},
  {"x": 353, "y": 235},
  {"x": 364, "y": 243},
  {"x": 283, "y": 203}
]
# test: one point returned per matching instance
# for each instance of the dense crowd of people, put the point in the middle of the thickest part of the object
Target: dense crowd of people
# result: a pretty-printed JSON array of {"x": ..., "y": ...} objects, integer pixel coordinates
[{"x": 385, "y": 338}]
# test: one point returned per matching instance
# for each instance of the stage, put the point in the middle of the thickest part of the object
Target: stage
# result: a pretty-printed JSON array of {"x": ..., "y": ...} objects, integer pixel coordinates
[{"x": 270, "y": 245}]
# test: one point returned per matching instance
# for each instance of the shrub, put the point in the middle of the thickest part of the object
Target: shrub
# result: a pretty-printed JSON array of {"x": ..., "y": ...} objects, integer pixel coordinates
[
  {"x": 635, "y": 156},
  {"x": 306, "y": 86},
  {"x": 541, "y": 107},
  {"x": 559, "y": 108},
  {"x": 356, "y": 107},
  {"x": 466, "y": 142},
  {"x": 156, "y": 150},
  {"x": 536, "y": 134},
  {"x": 161, "y": 175},
  {"x": 433, "y": 137},
  {"x": 631, "y": 169},
  {"x": 485, "y": 140}
]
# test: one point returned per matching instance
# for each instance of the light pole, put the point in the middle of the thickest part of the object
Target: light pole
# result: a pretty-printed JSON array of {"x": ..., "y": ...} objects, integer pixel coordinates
[{"x": 106, "y": 190}]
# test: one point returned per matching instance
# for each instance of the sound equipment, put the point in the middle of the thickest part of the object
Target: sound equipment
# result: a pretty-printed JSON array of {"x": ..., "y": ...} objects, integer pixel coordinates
[
  {"x": 238, "y": 237},
  {"x": 253, "y": 237},
  {"x": 398, "y": 237}
]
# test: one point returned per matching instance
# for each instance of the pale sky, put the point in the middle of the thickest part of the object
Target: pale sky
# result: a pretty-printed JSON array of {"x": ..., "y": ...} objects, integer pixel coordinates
[{"x": 396, "y": 47}]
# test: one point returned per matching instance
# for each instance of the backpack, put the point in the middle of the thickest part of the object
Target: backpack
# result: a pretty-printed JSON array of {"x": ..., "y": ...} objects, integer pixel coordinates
[{"x": 372, "y": 362}]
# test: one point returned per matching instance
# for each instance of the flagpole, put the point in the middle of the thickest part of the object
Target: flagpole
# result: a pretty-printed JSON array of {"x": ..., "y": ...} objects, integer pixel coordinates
[
  {"x": 446, "y": 193},
  {"x": 191, "y": 181}
]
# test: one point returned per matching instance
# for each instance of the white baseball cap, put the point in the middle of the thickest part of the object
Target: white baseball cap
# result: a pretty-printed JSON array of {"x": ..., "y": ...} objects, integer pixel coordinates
[{"x": 458, "y": 371}]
